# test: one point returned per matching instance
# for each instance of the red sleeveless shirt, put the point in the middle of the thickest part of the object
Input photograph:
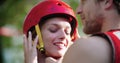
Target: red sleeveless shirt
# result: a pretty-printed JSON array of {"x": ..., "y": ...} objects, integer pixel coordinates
[{"x": 114, "y": 37}]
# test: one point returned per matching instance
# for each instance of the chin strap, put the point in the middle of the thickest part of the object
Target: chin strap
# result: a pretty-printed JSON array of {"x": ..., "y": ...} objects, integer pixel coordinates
[{"x": 41, "y": 44}]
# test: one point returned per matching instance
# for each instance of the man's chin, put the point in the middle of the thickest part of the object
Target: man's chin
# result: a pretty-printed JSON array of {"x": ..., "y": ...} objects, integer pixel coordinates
[{"x": 90, "y": 32}]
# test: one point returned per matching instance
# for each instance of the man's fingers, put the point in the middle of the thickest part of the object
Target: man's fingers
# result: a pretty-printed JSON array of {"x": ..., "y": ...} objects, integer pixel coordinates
[
  {"x": 30, "y": 40},
  {"x": 25, "y": 43},
  {"x": 35, "y": 42},
  {"x": 30, "y": 48}
]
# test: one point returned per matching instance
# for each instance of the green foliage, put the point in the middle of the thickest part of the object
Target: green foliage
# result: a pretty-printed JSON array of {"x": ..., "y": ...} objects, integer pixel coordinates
[{"x": 12, "y": 12}]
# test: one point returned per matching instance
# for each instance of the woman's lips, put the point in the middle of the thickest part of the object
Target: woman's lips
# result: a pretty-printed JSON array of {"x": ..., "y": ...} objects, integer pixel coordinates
[{"x": 60, "y": 45}]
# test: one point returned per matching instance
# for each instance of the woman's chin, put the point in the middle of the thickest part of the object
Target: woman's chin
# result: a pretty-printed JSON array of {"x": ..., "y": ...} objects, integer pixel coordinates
[{"x": 56, "y": 56}]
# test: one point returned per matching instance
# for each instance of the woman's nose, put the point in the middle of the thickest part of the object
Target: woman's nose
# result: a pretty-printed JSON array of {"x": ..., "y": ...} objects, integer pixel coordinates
[{"x": 62, "y": 34}]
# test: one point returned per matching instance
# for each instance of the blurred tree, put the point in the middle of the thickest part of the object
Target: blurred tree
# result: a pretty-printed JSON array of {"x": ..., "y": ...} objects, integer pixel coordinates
[
  {"x": 10, "y": 13},
  {"x": 2, "y": 1},
  {"x": 1, "y": 48}
]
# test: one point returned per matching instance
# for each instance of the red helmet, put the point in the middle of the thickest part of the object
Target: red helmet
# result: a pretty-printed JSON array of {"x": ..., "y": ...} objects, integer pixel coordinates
[{"x": 47, "y": 8}]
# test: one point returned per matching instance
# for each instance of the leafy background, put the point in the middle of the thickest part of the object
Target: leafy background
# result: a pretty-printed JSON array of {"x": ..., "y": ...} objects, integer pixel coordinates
[{"x": 12, "y": 15}]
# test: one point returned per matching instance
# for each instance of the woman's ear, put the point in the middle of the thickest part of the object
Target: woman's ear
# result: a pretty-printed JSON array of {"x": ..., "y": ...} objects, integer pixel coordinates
[{"x": 108, "y": 4}]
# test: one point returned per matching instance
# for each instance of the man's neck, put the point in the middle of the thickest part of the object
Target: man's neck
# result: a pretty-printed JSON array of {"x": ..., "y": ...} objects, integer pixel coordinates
[{"x": 111, "y": 24}]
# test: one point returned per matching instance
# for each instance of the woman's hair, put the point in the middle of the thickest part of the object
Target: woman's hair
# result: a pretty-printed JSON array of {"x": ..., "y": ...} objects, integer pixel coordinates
[{"x": 32, "y": 30}]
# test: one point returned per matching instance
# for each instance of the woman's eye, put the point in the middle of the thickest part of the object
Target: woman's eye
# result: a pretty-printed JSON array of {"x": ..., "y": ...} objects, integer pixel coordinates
[{"x": 53, "y": 30}]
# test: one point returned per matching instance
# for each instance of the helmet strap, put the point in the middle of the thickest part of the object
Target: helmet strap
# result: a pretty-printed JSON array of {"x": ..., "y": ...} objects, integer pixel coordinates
[{"x": 40, "y": 46}]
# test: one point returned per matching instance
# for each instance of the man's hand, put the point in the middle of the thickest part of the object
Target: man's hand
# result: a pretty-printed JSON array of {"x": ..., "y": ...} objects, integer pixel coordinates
[{"x": 30, "y": 51}]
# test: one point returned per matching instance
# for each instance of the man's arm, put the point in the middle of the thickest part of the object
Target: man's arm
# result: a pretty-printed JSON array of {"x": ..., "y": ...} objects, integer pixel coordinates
[{"x": 89, "y": 50}]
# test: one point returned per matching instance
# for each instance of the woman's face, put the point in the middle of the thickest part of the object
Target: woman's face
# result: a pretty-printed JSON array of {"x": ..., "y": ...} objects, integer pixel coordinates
[{"x": 56, "y": 36}]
